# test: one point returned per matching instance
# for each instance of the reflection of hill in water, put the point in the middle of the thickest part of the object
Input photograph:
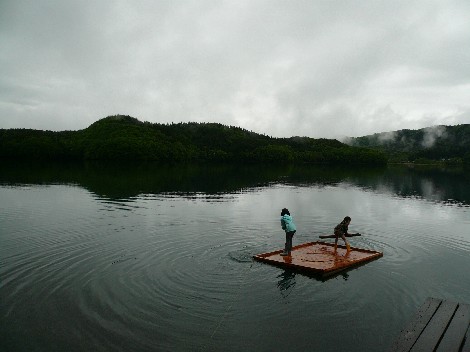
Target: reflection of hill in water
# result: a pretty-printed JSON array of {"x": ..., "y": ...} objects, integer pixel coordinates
[
  {"x": 124, "y": 180},
  {"x": 449, "y": 185}
]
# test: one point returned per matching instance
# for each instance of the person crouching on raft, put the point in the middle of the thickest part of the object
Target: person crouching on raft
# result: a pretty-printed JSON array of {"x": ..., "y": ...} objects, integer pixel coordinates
[
  {"x": 287, "y": 224},
  {"x": 341, "y": 230}
]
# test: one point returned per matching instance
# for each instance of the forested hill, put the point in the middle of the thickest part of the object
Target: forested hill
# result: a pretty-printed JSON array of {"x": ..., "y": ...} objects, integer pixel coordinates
[
  {"x": 438, "y": 143},
  {"x": 126, "y": 138}
]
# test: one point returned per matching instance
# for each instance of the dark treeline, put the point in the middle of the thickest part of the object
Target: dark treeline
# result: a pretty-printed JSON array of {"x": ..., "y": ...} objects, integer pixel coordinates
[
  {"x": 450, "y": 144},
  {"x": 126, "y": 138}
]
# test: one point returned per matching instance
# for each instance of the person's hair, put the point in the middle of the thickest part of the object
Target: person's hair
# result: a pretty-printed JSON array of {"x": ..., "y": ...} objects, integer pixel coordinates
[
  {"x": 284, "y": 211},
  {"x": 347, "y": 218}
]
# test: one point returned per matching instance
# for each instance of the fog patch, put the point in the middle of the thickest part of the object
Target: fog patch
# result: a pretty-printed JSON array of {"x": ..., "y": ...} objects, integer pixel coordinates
[
  {"x": 431, "y": 134},
  {"x": 346, "y": 140},
  {"x": 387, "y": 137}
]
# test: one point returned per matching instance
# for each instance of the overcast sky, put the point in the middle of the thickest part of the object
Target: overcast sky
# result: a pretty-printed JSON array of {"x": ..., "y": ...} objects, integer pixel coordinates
[{"x": 283, "y": 68}]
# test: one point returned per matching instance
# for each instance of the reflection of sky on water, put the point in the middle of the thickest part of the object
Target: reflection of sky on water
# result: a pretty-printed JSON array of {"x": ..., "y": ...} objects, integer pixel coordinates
[
  {"x": 172, "y": 245},
  {"x": 431, "y": 192}
]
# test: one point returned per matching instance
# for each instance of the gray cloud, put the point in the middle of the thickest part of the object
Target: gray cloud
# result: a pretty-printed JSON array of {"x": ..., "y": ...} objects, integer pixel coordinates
[{"x": 308, "y": 68}]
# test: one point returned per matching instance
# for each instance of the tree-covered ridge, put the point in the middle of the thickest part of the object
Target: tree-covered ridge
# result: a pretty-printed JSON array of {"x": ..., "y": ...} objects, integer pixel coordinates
[
  {"x": 438, "y": 143},
  {"x": 126, "y": 138}
]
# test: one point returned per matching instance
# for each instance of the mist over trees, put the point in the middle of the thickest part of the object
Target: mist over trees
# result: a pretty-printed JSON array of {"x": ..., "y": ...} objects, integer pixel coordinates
[
  {"x": 126, "y": 138},
  {"x": 450, "y": 144}
]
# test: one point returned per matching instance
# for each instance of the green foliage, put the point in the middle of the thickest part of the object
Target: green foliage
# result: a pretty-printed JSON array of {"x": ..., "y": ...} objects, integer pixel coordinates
[
  {"x": 448, "y": 144},
  {"x": 274, "y": 153},
  {"x": 126, "y": 138}
]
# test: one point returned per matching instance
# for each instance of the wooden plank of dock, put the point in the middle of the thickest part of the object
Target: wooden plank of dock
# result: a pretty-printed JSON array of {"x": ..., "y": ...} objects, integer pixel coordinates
[
  {"x": 410, "y": 334},
  {"x": 432, "y": 333},
  {"x": 466, "y": 345},
  {"x": 437, "y": 326},
  {"x": 457, "y": 329}
]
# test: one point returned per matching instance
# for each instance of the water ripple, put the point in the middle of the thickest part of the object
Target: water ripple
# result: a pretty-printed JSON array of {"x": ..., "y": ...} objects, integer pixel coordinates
[{"x": 175, "y": 272}]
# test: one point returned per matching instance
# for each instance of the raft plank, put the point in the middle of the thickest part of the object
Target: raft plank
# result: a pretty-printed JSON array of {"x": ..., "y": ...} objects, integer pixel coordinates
[
  {"x": 415, "y": 327},
  {"x": 455, "y": 333},
  {"x": 319, "y": 258},
  {"x": 347, "y": 235}
]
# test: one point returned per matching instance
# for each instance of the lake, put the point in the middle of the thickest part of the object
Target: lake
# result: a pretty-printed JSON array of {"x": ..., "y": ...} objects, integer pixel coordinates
[{"x": 108, "y": 257}]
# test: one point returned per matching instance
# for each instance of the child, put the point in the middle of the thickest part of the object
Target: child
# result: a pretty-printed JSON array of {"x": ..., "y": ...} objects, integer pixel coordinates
[
  {"x": 341, "y": 230},
  {"x": 287, "y": 224}
]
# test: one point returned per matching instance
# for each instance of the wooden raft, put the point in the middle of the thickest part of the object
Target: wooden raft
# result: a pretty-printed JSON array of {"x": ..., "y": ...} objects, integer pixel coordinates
[
  {"x": 319, "y": 258},
  {"x": 438, "y": 325}
]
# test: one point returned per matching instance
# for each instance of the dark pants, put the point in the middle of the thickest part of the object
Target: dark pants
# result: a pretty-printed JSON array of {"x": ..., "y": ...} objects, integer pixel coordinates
[{"x": 289, "y": 236}]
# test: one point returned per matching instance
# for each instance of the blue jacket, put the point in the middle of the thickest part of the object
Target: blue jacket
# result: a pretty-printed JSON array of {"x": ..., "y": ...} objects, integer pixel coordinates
[{"x": 287, "y": 223}]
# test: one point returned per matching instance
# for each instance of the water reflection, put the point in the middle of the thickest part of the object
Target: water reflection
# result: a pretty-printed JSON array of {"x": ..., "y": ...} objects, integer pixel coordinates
[
  {"x": 152, "y": 256},
  {"x": 121, "y": 182},
  {"x": 286, "y": 282},
  {"x": 436, "y": 184}
]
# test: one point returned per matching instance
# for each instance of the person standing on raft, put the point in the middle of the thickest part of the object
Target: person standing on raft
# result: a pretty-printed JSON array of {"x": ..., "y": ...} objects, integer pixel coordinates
[
  {"x": 287, "y": 224},
  {"x": 341, "y": 230}
]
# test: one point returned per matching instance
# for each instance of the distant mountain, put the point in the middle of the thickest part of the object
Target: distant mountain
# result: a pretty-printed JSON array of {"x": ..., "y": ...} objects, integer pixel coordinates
[
  {"x": 438, "y": 143},
  {"x": 126, "y": 138}
]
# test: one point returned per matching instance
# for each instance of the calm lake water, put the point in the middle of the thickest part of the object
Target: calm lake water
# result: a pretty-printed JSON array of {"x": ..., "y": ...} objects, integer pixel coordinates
[{"x": 152, "y": 258}]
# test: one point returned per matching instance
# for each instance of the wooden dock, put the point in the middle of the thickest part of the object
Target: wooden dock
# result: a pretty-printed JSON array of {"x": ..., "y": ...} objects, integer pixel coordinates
[{"x": 438, "y": 325}]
